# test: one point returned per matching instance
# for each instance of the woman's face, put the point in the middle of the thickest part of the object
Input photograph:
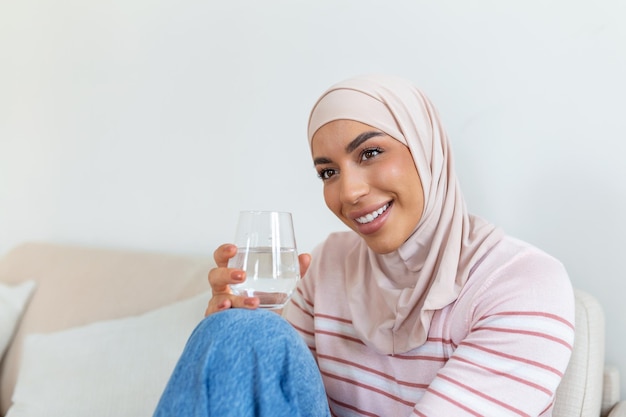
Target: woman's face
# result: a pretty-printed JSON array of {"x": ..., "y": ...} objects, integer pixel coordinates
[{"x": 370, "y": 182}]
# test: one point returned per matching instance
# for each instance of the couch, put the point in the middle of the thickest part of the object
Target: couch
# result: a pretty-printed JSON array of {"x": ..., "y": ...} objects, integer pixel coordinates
[{"x": 97, "y": 331}]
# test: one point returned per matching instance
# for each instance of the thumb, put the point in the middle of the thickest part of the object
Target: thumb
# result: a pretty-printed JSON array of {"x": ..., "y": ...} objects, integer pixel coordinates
[{"x": 305, "y": 261}]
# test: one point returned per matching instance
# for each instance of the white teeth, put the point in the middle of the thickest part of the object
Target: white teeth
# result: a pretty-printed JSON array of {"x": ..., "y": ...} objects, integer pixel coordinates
[{"x": 369, "y": 217}]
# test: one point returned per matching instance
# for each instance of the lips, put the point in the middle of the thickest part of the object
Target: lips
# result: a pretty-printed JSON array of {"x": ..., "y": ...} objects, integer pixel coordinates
[
  {"x": 370, "y": 217},
  {"x": 367, "y": 223}
]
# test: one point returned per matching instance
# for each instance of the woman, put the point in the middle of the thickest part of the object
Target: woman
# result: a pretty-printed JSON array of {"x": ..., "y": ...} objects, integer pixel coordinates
[{"x": 421, "y": 309}]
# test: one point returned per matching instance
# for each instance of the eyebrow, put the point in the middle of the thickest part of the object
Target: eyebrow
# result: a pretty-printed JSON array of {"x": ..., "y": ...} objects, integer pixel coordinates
[{"x": 355, "y": 143}]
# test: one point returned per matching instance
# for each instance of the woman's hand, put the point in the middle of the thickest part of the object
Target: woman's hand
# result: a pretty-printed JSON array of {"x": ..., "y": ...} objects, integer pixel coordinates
[{"x": 222, "y": 277}]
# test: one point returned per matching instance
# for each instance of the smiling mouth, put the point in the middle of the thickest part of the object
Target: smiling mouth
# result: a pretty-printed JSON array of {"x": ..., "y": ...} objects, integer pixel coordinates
[{"x": 368, "y": 218}]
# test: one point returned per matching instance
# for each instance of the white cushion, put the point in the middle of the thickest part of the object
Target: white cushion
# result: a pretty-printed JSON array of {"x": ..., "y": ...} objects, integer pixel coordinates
[
  {"x": 13, "y": 300},
  {"x": 108, "y": 368}
]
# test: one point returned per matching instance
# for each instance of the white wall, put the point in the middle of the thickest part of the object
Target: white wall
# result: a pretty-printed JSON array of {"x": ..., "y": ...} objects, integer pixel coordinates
[{"x": 149, "y": 124}]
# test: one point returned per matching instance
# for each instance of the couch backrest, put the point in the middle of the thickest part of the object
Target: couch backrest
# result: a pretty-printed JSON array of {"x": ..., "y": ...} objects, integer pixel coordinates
[
  {"x": 79, "y": 285},
  {"x": 580, "y": 391}
]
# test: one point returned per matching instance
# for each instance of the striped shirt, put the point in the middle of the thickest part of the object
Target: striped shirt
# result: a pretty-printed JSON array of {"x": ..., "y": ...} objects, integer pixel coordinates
[{"x": 500, "y": 349}]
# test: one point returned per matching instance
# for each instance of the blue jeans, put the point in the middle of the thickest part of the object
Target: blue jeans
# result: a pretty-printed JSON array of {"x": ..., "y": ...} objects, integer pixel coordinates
[{"x": 240, "y": 363}]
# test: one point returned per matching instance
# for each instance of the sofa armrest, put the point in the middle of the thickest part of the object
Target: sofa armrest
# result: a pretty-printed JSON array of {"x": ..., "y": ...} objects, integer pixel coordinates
[
  {"x": 611, "y": 404},
  {"x": 619, "y": 410},
  {"x": 610, "y": 389}
]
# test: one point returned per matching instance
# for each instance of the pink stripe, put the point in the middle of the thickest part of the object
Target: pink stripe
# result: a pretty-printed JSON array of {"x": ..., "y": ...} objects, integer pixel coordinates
[
  {"x": 532, "y": 314},
  {"x": 436, "y": 340},
  {"x": 423, "y": 357},
  {"x": 301, "y": 330},
  {"x": 353, "y": 408},
  {"x": 340, "y": 336},
  {"x": 456, "y": 403},
  {"x": 301, "y": 308},
  {"x": 527, "y": 332},
  {"x": 509, "y": 376},
  {"x": 515, "y": 358},
  {"x": 369, "y": 388},
  {"x": 374, "y": 371},
  {"x": 482, "y": 395},
  {"x": 441, "y": 340},
  {"x": 339, "y": 319},
  {"x": 304, "y": 298}
]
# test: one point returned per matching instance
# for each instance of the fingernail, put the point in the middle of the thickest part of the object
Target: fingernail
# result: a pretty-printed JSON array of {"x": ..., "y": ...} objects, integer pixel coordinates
[
  {"x": 237, "y": 276},
  {"x": 250, "y": 302}
]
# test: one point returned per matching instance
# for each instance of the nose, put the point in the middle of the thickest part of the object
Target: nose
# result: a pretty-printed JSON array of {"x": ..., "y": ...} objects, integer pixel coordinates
[{"x": 354, "y": 185}]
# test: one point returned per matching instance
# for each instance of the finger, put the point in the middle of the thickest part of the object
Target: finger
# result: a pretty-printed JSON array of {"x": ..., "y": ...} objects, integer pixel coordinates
[
  {"x": 305, "y": 261},
  {"x": 223, "y": 253},
  {"x": 217, "y": 304},
  {"x": 220, "y": 279},
  {"x": 226, "y": 301},
  {"x": 245, "y": 302}
]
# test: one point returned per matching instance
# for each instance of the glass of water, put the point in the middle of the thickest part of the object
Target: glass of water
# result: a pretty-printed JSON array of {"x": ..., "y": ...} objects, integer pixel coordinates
[{"x": 266, "y": 250}]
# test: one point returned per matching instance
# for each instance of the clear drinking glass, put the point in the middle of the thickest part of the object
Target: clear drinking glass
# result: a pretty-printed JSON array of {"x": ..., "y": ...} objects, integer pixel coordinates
[{"x": 266, "y": 250}]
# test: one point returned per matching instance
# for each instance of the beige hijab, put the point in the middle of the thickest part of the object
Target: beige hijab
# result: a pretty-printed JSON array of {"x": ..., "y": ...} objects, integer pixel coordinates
[{"x": 392, "y": 297}]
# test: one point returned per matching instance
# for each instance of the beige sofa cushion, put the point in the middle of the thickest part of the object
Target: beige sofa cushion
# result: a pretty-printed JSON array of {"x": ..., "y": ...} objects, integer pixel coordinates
[
  {"x": 78, "y": 286},
  {"x": 109, "y": 368}
]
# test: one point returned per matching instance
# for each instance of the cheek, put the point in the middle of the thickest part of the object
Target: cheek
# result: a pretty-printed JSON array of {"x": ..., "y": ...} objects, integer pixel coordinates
[
  {"x": 330, "y": 198},
  {"x": 415, "y": 192},
  {"x": 406, "y": 177},
  {"x": 396, "y": 174}
]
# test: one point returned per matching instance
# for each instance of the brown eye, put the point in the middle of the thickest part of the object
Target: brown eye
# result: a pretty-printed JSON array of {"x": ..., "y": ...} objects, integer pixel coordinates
[
  {"x": 370, "y": 153},
  {"x": 326, "y": 174}
]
